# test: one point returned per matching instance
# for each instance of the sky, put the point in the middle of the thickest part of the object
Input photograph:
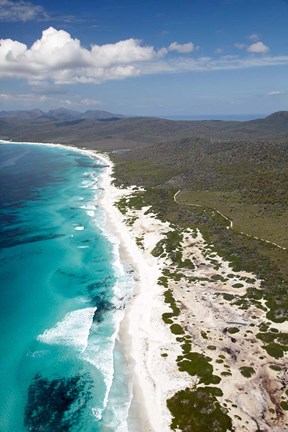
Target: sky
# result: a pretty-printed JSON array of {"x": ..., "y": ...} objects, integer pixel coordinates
[{"x": 152, "y": 57}]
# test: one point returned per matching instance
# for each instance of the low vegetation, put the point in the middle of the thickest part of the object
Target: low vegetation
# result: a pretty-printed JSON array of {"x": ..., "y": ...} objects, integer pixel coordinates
[{"x": 198, "y": 410}]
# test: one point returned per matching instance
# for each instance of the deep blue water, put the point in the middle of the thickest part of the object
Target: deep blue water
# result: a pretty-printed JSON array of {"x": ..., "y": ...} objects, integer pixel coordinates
[{"x": 61, "y": 296}]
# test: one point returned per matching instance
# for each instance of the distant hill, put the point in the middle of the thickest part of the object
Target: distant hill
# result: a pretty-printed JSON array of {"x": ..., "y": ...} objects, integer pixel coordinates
[
  {"x": 99, "y": 115},
  {"x": 22, "y": 114},
  {"x": 63, "y": 114},
  {"x": 107, "y": 131},
  {"x": 279, "y": 116},
  {"x": 58, "y": 114}
]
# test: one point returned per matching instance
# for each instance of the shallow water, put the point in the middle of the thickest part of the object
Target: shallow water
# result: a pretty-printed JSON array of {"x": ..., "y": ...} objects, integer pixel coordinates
[{"x": 62, "y": 295}]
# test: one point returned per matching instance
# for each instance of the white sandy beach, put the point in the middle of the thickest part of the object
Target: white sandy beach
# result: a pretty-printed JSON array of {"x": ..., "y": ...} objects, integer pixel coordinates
[
  {"x": 143, "y": 331},
  {"x": 251, "y": 402}
]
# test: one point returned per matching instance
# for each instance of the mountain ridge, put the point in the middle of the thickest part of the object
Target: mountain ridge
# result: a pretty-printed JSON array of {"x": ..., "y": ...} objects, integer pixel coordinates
[
  {"x": 112, "y": 133},
  {"x": 68, "y": 114},
  {"x": 58, "y": 114}
]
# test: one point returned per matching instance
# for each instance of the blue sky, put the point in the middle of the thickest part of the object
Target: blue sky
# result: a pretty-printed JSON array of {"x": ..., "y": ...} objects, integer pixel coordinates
[{"x": 168, "y": 57}]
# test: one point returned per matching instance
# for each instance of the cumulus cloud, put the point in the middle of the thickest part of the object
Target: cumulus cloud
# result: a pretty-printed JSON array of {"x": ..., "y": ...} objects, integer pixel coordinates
[
  {"x": 13, "y": 11},
  {"x": 181, "y": 48},
  {"x": 57, "y": 58},
  {"x": 62, "y": 59},
  {"x": 258, "y": 48}
]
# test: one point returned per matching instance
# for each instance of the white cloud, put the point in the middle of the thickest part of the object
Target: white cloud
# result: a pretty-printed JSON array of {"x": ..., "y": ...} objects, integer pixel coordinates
[
  {"x": 276, "y": 93},
  {"x": 28, "y": 98},
  {"x": 273, "y": 93},
  {"x": 90, "y": 102},
  {"x": 253, "y": 37},
  {"x": 206, "y": 64},
  {"x": 258, "y": 48},
  {"x": 57, "y": 56},
  {"x": 181, "y": 48},
  {"x": 45, "y": 99},
  {"x": 13, "y": 11},
  {"x": 4, "y": 97},
  {"x": 240, "y": 45}
]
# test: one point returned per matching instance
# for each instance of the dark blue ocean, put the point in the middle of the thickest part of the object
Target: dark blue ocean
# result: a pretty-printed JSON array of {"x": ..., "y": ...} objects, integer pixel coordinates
[{"x": 63, "y": 292}]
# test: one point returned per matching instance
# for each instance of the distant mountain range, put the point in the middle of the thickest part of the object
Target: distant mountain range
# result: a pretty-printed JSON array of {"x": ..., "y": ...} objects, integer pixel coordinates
[
  {"x": 65, "y": 114},
  {"x": 58, "y": 114},
  {"x": 106, "y": 131}
]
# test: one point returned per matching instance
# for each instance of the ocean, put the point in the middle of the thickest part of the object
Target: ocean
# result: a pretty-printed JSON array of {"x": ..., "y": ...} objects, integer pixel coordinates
[{"x": 63, "y": 291}]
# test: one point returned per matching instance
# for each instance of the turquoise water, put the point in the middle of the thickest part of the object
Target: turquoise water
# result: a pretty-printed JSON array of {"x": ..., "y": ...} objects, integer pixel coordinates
[{"x": 62, "y": 296}]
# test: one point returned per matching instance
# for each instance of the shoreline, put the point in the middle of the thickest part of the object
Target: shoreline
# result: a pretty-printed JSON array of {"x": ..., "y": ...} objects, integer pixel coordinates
[
  {"x": 210, "y": 298},
  {"x": 134, "y": 329},
  {"x": 142, "y": 330}
]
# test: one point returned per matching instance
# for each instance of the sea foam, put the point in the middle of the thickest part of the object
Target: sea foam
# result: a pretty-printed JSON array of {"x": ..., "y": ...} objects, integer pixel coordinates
[{"x": 73, "y": 330}]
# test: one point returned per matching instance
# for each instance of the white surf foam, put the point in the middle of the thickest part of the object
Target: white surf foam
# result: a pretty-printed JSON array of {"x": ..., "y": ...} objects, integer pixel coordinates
[
  {"x": 90, "y": 213},
  {"x": 100, "y": 353},
  {"x": 73, "y": 330}
]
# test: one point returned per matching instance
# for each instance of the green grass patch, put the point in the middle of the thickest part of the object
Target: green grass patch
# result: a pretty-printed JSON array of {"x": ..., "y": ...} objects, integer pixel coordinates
[
  {"x": 139, "y": 242},
  {"x": 226, "y": 374},
  {"x": 274, "y": 350},
  {"x": 167, "y": 317},
  {"x": 233, "y": 330},
  {"x": 198, "y": 364},
  {"x": 254, "y": 219},
  {"x": 176, "y": 329},
  {"x": 275, "y": 368},
  {"x": 186, "y": 347},
  {"x": 238, "y": 285},
  {"x": 228, "y": 297},
  {"x": 163, "y": 280},
  {"x": 158, "y": 249},
  {"x": 168, "y": 298},
  {"x": 274, "y": 337},
  {"x": 247, "y": 371},
  {"x": 198, "y": 411}
]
